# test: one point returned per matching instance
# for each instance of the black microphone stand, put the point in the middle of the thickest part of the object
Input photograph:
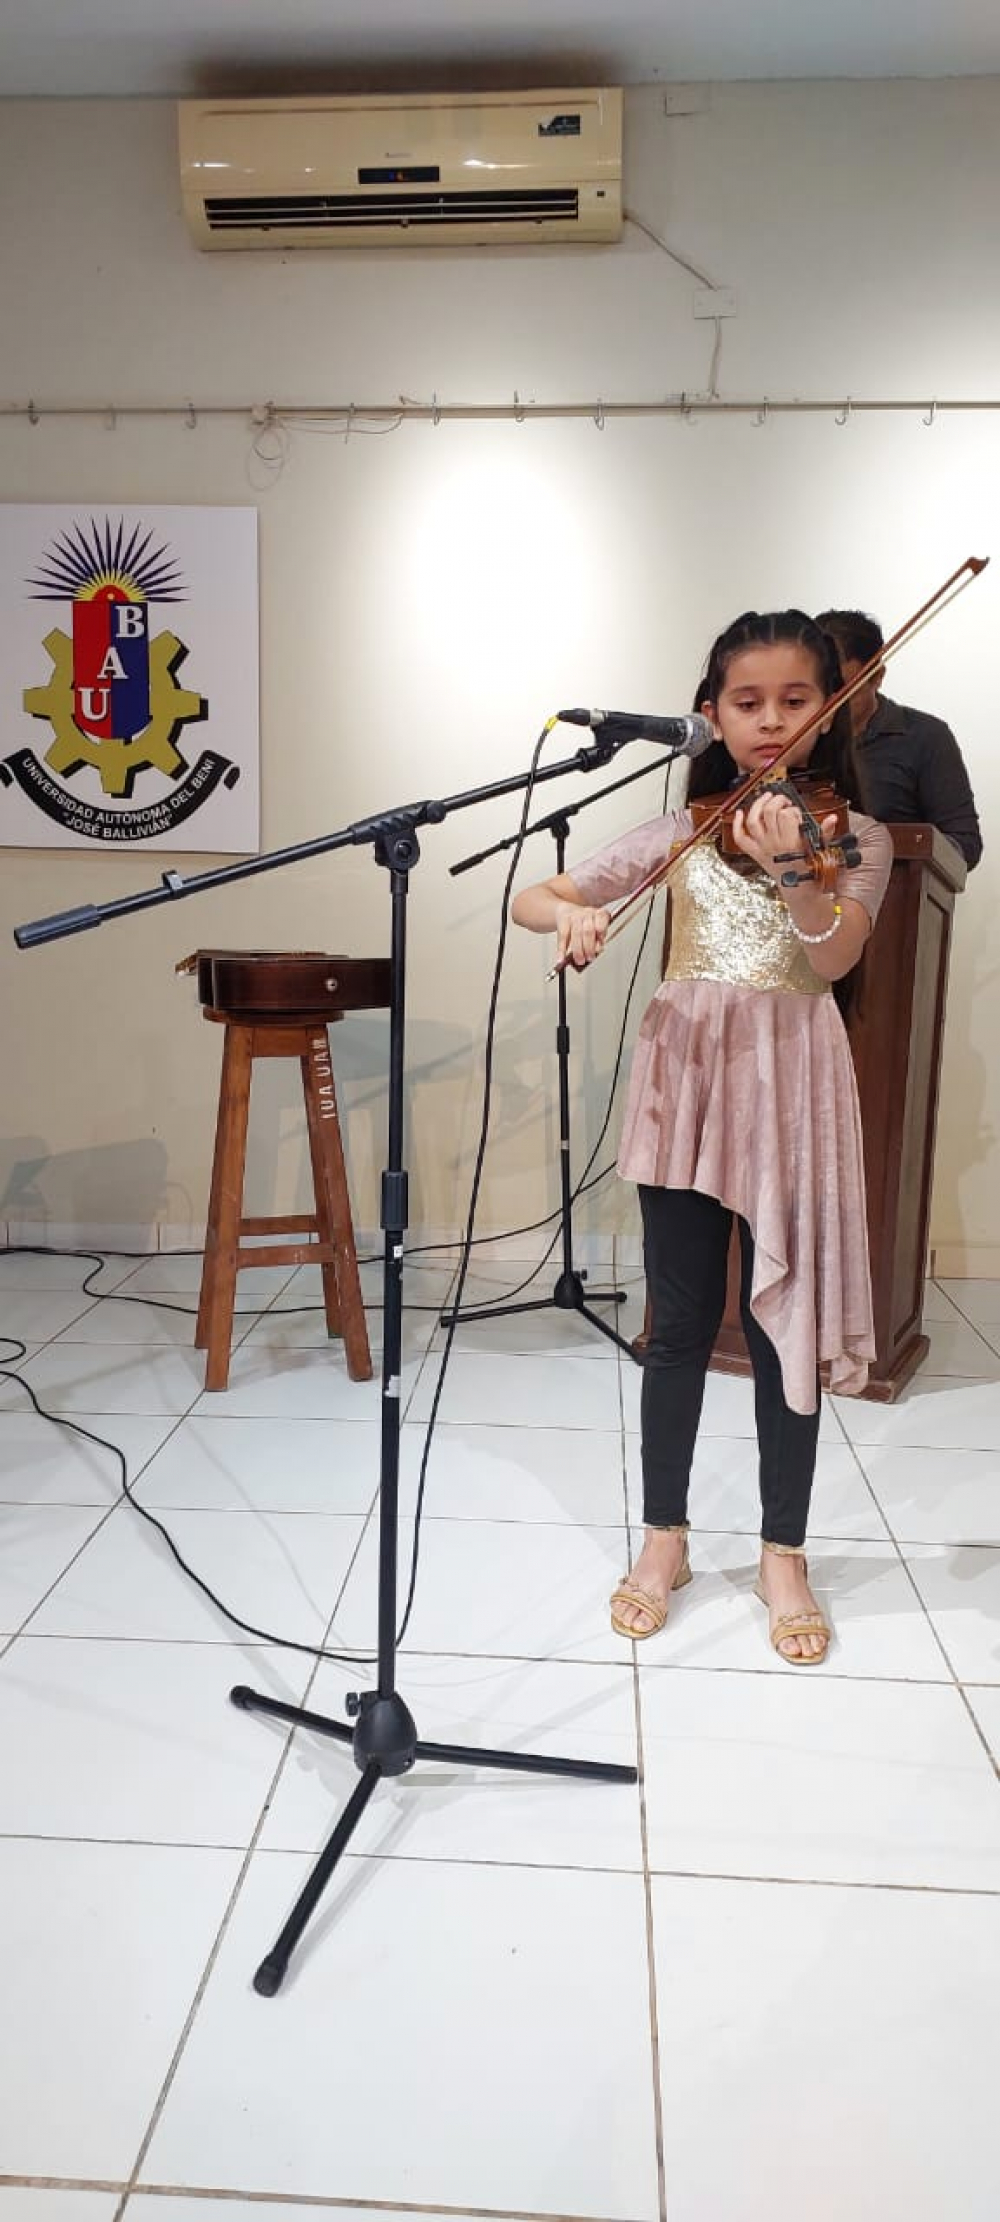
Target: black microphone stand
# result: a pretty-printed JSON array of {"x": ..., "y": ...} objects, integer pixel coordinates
[
  {"x": 569, "y": 1293},
  {"x": 384, "y": 1738}
]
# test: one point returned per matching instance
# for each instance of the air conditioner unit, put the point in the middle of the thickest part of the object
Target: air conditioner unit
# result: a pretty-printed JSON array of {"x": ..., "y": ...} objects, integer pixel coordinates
[{"x": 452, "y": 170}]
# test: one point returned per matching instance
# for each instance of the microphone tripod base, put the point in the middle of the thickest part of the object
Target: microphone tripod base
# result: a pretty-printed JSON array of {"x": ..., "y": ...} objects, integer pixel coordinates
[
  {"x": 568, "y": 1295},
  {"x": 384, "y": 1743}
]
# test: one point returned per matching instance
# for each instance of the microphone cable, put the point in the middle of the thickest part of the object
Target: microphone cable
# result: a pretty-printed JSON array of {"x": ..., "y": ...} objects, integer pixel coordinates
[{"x": 455, "y": 1300}]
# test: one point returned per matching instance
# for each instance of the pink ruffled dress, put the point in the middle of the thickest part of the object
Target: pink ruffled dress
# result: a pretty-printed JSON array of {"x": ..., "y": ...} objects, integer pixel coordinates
[{"x": 742, "y": 1086}]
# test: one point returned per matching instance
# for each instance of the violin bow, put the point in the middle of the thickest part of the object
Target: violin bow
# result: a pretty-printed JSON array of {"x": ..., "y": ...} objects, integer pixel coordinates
[{"x": 740, "y": 795}]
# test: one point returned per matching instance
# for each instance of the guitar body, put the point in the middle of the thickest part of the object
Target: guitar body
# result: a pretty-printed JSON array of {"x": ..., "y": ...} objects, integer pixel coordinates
[{"x": 279, "y": 983}]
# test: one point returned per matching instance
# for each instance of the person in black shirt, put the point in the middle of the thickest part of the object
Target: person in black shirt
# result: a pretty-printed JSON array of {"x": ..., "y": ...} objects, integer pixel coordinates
[{"x": 910, "y": 766}]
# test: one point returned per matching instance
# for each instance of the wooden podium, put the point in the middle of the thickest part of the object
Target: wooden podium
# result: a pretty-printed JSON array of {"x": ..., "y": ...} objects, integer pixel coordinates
[{"x": 895, "y": 1011}]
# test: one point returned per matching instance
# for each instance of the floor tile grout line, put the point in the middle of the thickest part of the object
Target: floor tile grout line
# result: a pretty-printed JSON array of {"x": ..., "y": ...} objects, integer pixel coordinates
[
  {"x": 69, "y": 1412},
  {"x": 942, "y": 1450},
  {"x": 826, "y": 1681},
  {"x": 90, "y": 1304},
  {"x": 632, "y": 1660},
  {"x": 992, "y": 1756},
  {"x": 99, "y": 1524},
  {"x": 489, "y": 1520},
  {"x": 379, "y": 1857},
  {"x": 866, "y": 1481},
  {"x": 964, "y": 1316},
  {"x": 592, "y": 1660},
  {"x": 307, "y": 1852},
  {"x": 75, "y": 1504},
  {"x": 211, "y": 1961},
  {"x": 14, "y": 1288},
  {"x": 826, "y": 1882},
  {"x": 425, "y": 1360},
  {"x": 831, "y": 1402},
  {"x": 122, "y": 1498},
  {"x": 283, "y": 1760},
  {"x": 266, "y": 1509},
  {"x": 323, "y": 2202},
  {"x": 647, "y": 1894},
  {"x": 957, "y": 1683},
  {"x": 56, "y": 1419}
]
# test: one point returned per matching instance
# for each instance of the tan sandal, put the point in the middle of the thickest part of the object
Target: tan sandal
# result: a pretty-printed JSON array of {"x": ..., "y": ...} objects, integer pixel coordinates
[
  {"x": 791, "y": 1624},
  {"x": 629, "y": 1592}
]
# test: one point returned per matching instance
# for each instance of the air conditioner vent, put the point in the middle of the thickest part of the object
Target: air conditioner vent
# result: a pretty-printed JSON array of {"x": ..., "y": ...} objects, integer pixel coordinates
[{"x": 334, "y": 211}]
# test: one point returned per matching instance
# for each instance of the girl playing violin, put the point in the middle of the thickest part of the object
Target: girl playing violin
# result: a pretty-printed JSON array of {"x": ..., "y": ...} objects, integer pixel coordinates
[{"x": 742, "y": 1102}]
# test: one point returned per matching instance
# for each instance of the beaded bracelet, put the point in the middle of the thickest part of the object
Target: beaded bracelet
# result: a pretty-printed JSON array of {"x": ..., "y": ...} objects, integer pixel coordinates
[{"x": 826, "y": 935}]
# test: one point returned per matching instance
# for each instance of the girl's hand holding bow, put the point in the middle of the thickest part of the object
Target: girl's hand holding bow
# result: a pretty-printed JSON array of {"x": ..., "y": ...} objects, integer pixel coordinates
[{"x": 580, "y": 935}]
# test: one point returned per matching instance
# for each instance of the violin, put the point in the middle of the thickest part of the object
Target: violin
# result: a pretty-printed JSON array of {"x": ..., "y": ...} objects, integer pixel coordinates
[
  {"x": 823, "y": 859},
  {"x": 815, "y": 798}
]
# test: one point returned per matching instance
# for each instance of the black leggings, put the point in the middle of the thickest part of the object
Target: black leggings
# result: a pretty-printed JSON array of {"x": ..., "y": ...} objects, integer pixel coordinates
[{"x": 686, "y": 1238}]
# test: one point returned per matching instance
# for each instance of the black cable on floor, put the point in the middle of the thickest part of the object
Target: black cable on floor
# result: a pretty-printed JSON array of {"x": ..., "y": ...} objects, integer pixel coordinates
[{"x": 59, "y": 1419}]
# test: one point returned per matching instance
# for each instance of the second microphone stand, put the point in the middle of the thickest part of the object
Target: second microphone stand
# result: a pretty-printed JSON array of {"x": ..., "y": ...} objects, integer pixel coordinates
[{"x": 569, "y": 1293}]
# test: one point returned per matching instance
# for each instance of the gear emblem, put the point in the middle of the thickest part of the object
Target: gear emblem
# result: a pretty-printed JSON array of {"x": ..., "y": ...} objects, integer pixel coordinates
[{"x": 117, "y": 761}]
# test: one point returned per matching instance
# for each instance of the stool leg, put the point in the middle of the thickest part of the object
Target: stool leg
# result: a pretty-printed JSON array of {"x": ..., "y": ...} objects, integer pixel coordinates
[
  {"x": 319, "y": 1093},
  {"x": 345, "y": 1311},
  {"x": 227, "y": 1202},
  {"x": 206, "y": 1293}
]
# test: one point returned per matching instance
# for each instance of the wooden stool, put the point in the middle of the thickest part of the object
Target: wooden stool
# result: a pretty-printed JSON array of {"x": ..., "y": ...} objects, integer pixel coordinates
[{"x": 291, "y": 1033}]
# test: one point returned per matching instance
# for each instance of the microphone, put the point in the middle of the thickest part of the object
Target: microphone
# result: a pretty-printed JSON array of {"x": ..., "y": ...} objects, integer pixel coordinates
[{"x": 690, "y": 736}]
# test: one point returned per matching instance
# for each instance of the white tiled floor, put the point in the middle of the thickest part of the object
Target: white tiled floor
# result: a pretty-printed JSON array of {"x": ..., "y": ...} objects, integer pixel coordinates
[{"x": 776, "y": 1962}]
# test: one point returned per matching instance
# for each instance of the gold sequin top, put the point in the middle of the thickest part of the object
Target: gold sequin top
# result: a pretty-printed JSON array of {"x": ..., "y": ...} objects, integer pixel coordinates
[{"x": 731, "y": 925}]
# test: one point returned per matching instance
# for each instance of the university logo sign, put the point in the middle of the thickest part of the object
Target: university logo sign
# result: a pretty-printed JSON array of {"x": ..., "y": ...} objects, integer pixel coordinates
[{"x": 120, "y": 707}]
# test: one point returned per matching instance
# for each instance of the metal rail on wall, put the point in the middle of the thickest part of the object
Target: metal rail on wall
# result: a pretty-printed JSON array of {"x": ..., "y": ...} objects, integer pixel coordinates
[{"x": 357, "y": 416}]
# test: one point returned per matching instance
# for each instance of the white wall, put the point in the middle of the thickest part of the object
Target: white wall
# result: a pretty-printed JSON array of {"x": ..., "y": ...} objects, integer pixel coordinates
[{"x": 430, "y": 595}]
